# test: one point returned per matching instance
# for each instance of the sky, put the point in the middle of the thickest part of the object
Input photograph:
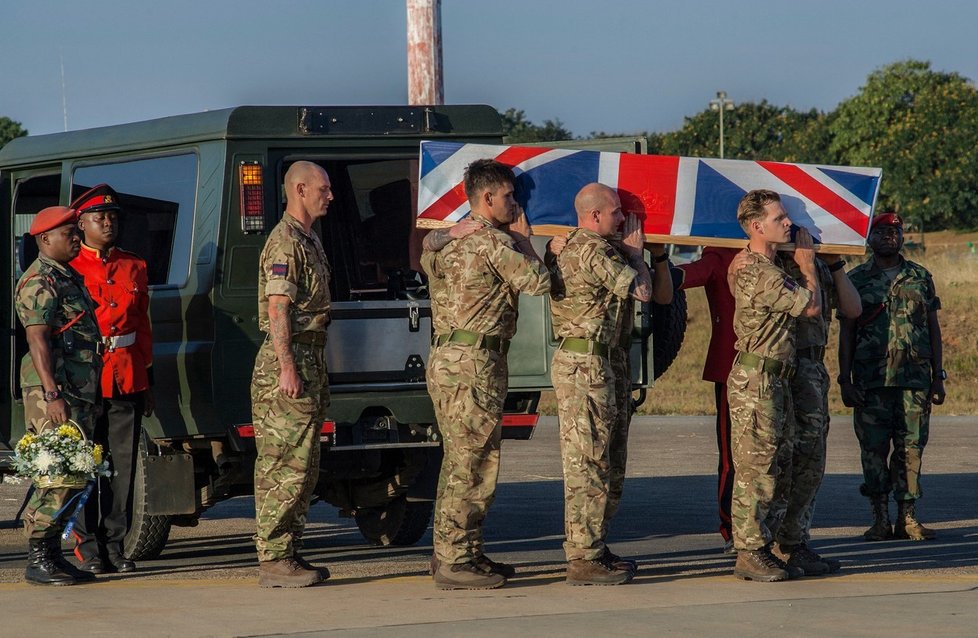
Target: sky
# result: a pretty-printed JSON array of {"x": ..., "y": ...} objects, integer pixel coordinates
[{"x": 620, "y": 66}]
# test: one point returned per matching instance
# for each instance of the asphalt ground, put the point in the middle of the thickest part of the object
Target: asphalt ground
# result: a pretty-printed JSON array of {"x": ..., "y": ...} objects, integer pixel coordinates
[{"x": 205, "y": 582}]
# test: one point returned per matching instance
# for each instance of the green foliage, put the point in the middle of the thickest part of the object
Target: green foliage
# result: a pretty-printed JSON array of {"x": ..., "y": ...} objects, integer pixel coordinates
[
  {"x": 9, "y": 129},
  {"x": 516, "y": 129},
  {"x": 921, "y": 127}
]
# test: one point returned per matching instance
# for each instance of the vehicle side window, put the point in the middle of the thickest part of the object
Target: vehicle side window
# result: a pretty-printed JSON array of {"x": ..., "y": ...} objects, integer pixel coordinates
[
  {"x": 157, "y": 196},
  {"x": 32, "y": 195}
]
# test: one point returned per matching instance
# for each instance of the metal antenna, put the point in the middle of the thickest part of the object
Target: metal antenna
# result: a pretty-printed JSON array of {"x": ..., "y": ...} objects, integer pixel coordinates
[{"x": 64, "y": 95}]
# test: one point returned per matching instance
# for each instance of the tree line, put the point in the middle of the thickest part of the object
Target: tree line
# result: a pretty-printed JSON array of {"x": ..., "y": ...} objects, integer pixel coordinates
[{"x": 919, "y": 125}]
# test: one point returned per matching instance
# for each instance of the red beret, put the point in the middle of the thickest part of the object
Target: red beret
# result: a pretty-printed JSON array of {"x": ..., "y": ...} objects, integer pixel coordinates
[
  {"x": 100, "y": 197},
  {"x": 888, "y": 219},
  {"x": 52, "y": 217}
]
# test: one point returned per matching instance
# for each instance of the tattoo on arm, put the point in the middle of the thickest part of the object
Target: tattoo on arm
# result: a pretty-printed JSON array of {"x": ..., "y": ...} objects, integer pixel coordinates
[
  {"x": 641, "y": 287},
  {"x": 280, "y": 330},
  {"x": 436, "y": 240}
]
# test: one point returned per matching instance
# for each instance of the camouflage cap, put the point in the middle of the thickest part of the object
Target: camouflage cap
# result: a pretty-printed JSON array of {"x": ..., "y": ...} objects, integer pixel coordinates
[{"x": 52, "y": 217}]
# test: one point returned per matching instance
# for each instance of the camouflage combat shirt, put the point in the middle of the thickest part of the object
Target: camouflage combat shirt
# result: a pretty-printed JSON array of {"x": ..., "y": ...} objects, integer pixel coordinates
[
  {"x": 892, "y": 334},
  {"x": 433, "y": 263},
  {"x": 485, "y": 274},
  {"x": 293, "y": 264},
  {"x": 597, "y": 281},
  {"x": 767, "y": 303},
  {"x": 53, "y": 294},
  {"x": 813, "y": 331}
]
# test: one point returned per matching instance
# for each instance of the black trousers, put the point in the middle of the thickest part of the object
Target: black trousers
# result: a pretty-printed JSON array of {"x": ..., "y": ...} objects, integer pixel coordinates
[
  {"x": 101, "y": 529},
  {"x": 725, "y": 467}
]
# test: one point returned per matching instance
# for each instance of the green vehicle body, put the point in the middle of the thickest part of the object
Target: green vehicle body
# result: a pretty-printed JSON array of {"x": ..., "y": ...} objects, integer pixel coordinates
[{"x": 180, "y": 176}]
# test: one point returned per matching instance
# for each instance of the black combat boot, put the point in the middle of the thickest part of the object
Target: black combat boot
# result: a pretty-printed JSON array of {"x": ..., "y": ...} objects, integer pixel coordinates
[
  {"x": 59, "y": 560},
  {"x": 41, "y": 569}
]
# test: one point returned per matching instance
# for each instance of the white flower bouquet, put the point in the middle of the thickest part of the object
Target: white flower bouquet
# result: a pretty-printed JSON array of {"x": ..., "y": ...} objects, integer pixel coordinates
[{"x": 59, "y": 457}]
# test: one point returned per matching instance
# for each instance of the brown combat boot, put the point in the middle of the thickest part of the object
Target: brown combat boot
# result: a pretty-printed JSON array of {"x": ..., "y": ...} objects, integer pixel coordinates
[
  {"x": 469, "y": 575},
  {"x": 759, "y": 565},
  {"x": 800, "y": 557},
  {"x": 908, "y": 527},
  {"x": 286, "y": 572},
  {"x": 600, "y": 571},
  {"x": 619, "y": 562},
  {"x": 304, "y": 564},
  {"x": 881, "y": 530}
]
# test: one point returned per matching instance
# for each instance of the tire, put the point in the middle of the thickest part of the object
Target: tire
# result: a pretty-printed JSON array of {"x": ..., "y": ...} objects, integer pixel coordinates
[
  {"x": 147, "y": 534},
  {"x": 668, "y": 331},
  {"x": 400, "y": 523}
]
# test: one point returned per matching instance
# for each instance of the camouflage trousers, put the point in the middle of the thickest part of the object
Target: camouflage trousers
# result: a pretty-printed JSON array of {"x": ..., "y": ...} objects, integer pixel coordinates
[
  {"x": 899, "y": 417},
  {"x": 470, "y": 388},
  {"x": 802, "y": 460},
  {"x": 43, "y": 517},
  {"x": 618, "y": 437},
  {"x": 287, "y": 438},
  {"x": 760, "y": 408},
  {"x": 587, "y": 411}
]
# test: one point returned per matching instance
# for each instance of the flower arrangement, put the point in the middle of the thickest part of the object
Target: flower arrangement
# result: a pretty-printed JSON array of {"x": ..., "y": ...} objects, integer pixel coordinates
[{"x": 59, "y": 457}]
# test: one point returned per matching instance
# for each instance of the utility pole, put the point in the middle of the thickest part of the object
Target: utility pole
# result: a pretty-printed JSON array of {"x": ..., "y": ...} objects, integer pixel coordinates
[
  {"x": 721, "y": 104},
  {"x": 425, "y": 81}
]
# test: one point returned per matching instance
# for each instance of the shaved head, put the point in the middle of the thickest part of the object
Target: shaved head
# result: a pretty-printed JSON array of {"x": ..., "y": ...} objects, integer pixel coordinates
[
  {"x": 592, "y": 197},
  {"x": 301, "y": 172}
]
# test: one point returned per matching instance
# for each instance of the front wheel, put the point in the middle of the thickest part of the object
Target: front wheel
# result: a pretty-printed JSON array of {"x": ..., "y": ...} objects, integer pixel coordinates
[{"x": 399, "y": 523}]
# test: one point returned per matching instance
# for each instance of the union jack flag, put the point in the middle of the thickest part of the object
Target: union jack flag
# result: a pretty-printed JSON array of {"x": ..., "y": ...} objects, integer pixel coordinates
[{"x": 681, "y": 199}]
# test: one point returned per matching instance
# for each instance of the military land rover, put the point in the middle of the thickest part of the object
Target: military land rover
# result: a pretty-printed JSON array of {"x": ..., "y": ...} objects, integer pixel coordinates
[{"x": 200, "y": 193}]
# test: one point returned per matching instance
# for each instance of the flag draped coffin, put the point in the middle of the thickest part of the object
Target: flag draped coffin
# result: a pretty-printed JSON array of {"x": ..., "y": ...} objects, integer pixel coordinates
[{"x": 682, "y": 200}]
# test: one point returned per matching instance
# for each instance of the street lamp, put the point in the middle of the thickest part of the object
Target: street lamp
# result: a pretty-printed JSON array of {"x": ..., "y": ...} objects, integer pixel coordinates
[{"x": 721, "y": 104}]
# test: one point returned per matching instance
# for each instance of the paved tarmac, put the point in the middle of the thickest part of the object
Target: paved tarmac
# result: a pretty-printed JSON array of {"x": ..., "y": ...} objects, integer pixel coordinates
[{"x": 204, "y": 584}]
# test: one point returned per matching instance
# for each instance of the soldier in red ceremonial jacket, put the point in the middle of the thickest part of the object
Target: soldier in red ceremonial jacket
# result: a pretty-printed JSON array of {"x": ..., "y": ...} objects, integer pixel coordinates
[
  {"x": 118, "y": 283},
  {"x": 710, "y": 272}
]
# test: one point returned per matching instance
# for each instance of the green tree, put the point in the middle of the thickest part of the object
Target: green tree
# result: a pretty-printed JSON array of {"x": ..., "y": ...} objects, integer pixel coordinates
[
  {"x": 516, "y": 129},
  {"x": 752, "y": 131},
  {"x": 9, "y": 129},
  {"x": 921, "y": 127}
]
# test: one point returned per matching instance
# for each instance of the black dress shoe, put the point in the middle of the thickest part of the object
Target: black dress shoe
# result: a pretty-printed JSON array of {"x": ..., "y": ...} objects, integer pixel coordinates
[
  {"x": 92, "y": 565},
  {"x": 121, "y": 564}
]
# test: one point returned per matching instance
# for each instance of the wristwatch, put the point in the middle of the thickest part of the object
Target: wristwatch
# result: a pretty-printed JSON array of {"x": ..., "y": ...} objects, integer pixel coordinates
[
  {"x": 51, "y": 395},
  {"x": 941, "y": 374},
  {"x": 660, "y": 258}
]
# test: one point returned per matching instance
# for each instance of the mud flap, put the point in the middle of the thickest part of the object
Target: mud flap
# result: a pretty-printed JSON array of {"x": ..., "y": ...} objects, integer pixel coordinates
[{"x": 170, "y": 485}]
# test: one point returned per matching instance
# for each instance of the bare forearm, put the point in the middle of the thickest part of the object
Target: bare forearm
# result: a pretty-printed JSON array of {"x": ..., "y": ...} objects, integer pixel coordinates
[
  {"x": 850, "y": 306},
  {"x": 437, "y": 239},
  {"x": 642, "y": 284},
  {"x": 661, "y": 283},
  {"x": 814, "y": 307},
  {"x": 280, "y": 330}
]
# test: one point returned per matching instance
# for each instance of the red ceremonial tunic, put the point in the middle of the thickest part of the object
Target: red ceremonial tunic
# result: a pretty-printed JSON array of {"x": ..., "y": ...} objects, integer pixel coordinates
[
  {"x": 710, "y": 271},
  {"x": 119, "y": 285}
]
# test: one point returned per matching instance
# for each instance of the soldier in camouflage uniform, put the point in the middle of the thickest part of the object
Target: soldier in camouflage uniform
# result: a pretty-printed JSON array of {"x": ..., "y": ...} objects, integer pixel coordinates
[
  {"x": 485, "y": 273},
  {"x": 59, "y": 377},
  {"x": 804, "y": 464},
  {"x": 587, "y": 320},
  {"x": 622, "y": 369},
  {"x": 767, "y": 303},
  {"x": 891, "y": 372},
  {"x": 289, "y": 389}
]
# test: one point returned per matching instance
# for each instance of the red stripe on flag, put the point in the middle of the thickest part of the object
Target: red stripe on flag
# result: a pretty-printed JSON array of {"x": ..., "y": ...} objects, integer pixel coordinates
[
  {"x": 822, "y": 196},
  {"x": 450, "y": 201},
  {"x": 647, "y": 187}
]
